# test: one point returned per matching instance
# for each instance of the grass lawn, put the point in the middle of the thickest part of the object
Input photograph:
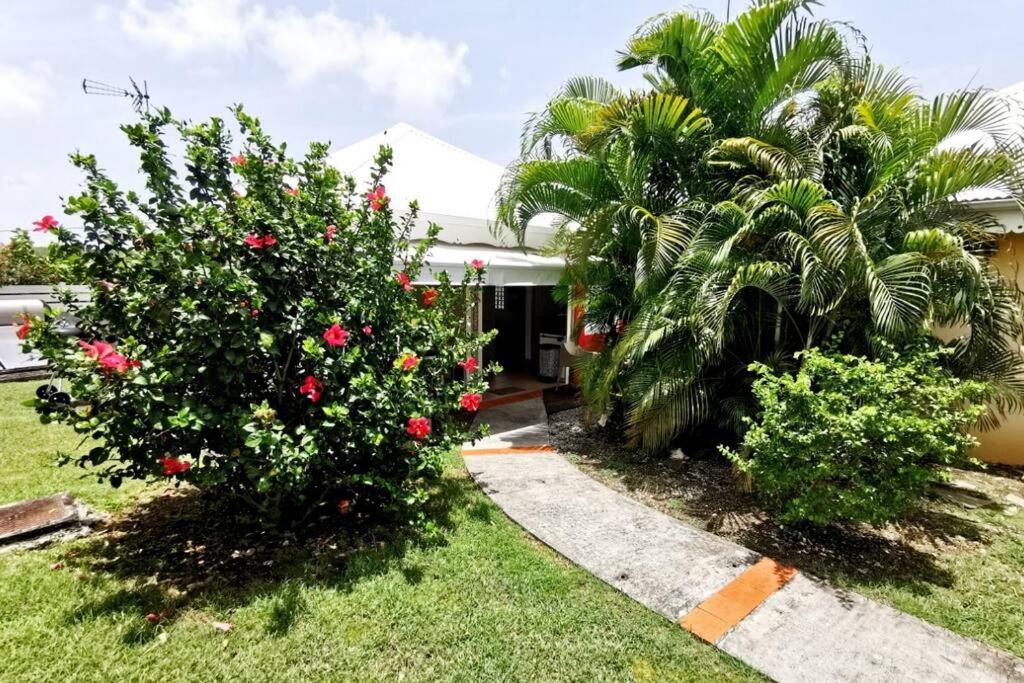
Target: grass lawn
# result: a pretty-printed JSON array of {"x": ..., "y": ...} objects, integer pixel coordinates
[
  {"x": 483, "y": 602},
  {"x": 959, "y": 567}
]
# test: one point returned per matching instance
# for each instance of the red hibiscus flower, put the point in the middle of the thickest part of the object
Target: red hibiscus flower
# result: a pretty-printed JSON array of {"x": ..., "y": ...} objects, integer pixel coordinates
[
  {"x": 429, "y": 296},
  {"x": 418, "y": 427},
  {"x": 409, "y": 362},
  {"x": 97, "y": 349},
  {"x": 477, "y": 264},
  {"x": 311, "y": 387},
  {"x": 116, "y": 362},
  {"x": 45, "y": 224},
  {"x": 378, "y": 200},
  {"x": 257, "y": 242},
  {"x": 173, "y": 466},
  {"x": 344, "y": 506},
  {"x": 403, "y": 280},
  {"x": 471, "y": 401},
  {"x": 238, "y": 160},
  {"x": 329, "y": 232},
  {"x": 26, "y": 325},
  {"x": 336, "y": 336},
  {"x": 292, "y": 191},
  {"x": 107, "y": 356},
  {"x": 469, "y": 365},
  {"x": 367, "y": 330}
]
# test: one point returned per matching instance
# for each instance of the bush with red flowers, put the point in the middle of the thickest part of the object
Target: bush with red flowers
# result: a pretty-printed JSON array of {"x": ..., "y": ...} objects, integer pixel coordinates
[{"x": 253, "y": 328}]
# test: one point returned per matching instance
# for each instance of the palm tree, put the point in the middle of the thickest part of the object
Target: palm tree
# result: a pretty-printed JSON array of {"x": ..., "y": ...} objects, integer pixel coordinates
[{"x": 818, "y": 195}]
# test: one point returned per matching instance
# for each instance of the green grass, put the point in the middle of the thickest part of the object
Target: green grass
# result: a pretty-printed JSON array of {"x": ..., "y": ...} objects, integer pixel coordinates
[
  {"x": 482, "y": 602},
  {"x": 28, "y": 456}
]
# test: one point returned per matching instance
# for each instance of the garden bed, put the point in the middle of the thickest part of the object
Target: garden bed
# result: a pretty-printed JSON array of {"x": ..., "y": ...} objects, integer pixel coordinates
[{"x": 958, "y": 561}]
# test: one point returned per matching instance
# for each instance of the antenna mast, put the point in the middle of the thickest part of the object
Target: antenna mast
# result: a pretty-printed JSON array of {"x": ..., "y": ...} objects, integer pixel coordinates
[{"x": 138, "y": 96}]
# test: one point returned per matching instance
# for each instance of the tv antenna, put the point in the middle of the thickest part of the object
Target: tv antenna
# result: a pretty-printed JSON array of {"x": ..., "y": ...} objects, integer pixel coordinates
[{"x": 138, "y": 96}]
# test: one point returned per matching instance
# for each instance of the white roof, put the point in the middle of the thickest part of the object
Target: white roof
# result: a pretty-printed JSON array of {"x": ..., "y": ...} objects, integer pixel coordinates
[
  {"x": 505, "y": 267},
  {"x": 1014, "y": 97},
  {"x": 454, "y": 188}
]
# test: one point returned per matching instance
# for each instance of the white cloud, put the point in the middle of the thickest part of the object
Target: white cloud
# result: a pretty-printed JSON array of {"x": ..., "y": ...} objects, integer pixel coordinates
[
  {"x": 411, "y": 69},
  {"x": 186, "y": 27},
  {"x": 23, "y": 91}
]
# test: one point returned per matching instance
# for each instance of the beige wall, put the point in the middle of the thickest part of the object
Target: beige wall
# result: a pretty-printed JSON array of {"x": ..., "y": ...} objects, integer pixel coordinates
[{"x": 1006, "y": 443}]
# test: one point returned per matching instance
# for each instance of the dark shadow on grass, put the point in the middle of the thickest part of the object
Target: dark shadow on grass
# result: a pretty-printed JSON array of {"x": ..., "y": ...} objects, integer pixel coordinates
[
  {"x": 182, "y": 548},
  {"x": 703, "y": 490}
]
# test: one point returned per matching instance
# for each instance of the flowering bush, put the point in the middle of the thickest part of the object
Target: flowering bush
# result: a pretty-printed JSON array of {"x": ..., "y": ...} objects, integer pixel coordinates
[
  {"x": 21, "y": 263},
  {"x": 848, "y": 438},
  {"x": 253, "y": 328}
]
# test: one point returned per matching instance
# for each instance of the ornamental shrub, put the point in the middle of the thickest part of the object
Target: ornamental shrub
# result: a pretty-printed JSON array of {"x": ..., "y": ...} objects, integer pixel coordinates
[
  {"x": 848, "y": 438},
  {"x": 253, "y": 329},
  {"x": 22, "y": 263}
]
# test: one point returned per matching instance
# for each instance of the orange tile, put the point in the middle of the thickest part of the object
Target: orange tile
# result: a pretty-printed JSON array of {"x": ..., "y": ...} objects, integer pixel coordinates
[
  {"x": 741, "y": 596},
  {"x": 705, "y": 625}
]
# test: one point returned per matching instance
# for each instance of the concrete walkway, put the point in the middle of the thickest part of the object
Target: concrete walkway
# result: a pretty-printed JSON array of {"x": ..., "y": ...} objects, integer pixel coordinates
[{"x": 781, "y": 622}]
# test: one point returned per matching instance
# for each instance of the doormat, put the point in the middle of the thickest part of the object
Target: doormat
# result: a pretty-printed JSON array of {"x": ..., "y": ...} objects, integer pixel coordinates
[
  {"x": 41, "y": 520},
  {"x": 506, "y": 390}
]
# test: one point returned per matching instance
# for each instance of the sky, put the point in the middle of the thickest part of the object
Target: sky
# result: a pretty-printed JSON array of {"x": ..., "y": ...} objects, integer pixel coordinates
[{"x": 466, "y": 71}]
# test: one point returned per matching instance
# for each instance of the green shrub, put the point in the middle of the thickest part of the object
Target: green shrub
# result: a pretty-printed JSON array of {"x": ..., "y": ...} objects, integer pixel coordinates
[
  {"x": 848, "y": 438},
  {"x": 252, "y": 330},
  {"x": 22, "y": 263}
]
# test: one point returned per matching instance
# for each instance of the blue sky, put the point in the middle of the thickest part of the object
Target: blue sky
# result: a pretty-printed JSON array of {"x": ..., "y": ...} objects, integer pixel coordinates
[{"x": 464, "y": 70}]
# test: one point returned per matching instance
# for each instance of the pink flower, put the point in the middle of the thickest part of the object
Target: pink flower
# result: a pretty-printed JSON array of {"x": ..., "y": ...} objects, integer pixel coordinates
[
  {"x": 292, "y": 191},
  {"x": 429, "y": 296},
  {"x": 335, "y": 335},
  {"x": 477, "y": 264},
  {"x": 344, "y": 506},
  {"x": 96, "y": 350},
  {"x": 116, "y": 362},
  {"x": 471, "y": 401},
  {"x": 403, "y": 280},
  {"x": 378, "y": 200},
  {"x": 367, "y": 330},
  {"x": 418, "y": 427},
  {"x": 45, "y": 224},
  {"x": 173, "y": 466},
  {"x": 312, "y": 387},
  {"x": 26, "y": 325},
  {"x": 469, "y": 365},
  {"x": 238, "y": 160},
  {"x": 107, "y": 356},
  {"x": 257, "y": 242},
  {"x": 409, "y": 362},
  {"x": 329, "y": 232}
]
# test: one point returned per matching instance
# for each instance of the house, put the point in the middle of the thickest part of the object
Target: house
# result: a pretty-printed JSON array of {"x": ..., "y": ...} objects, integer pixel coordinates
[
  {"x": 1006, "y": 443},
  {"x": 456, "y": 189}
]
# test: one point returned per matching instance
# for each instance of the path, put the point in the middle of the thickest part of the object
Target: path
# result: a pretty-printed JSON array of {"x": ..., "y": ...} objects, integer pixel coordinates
[{"x": 782, "y": 622}]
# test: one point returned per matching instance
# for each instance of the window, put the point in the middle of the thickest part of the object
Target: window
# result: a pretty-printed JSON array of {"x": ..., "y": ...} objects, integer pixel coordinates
[{"x": 499, "y": 298}]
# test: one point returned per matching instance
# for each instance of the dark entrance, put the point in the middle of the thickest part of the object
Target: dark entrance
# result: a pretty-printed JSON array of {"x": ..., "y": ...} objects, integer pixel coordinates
[{"x": 521, "y": 315}]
